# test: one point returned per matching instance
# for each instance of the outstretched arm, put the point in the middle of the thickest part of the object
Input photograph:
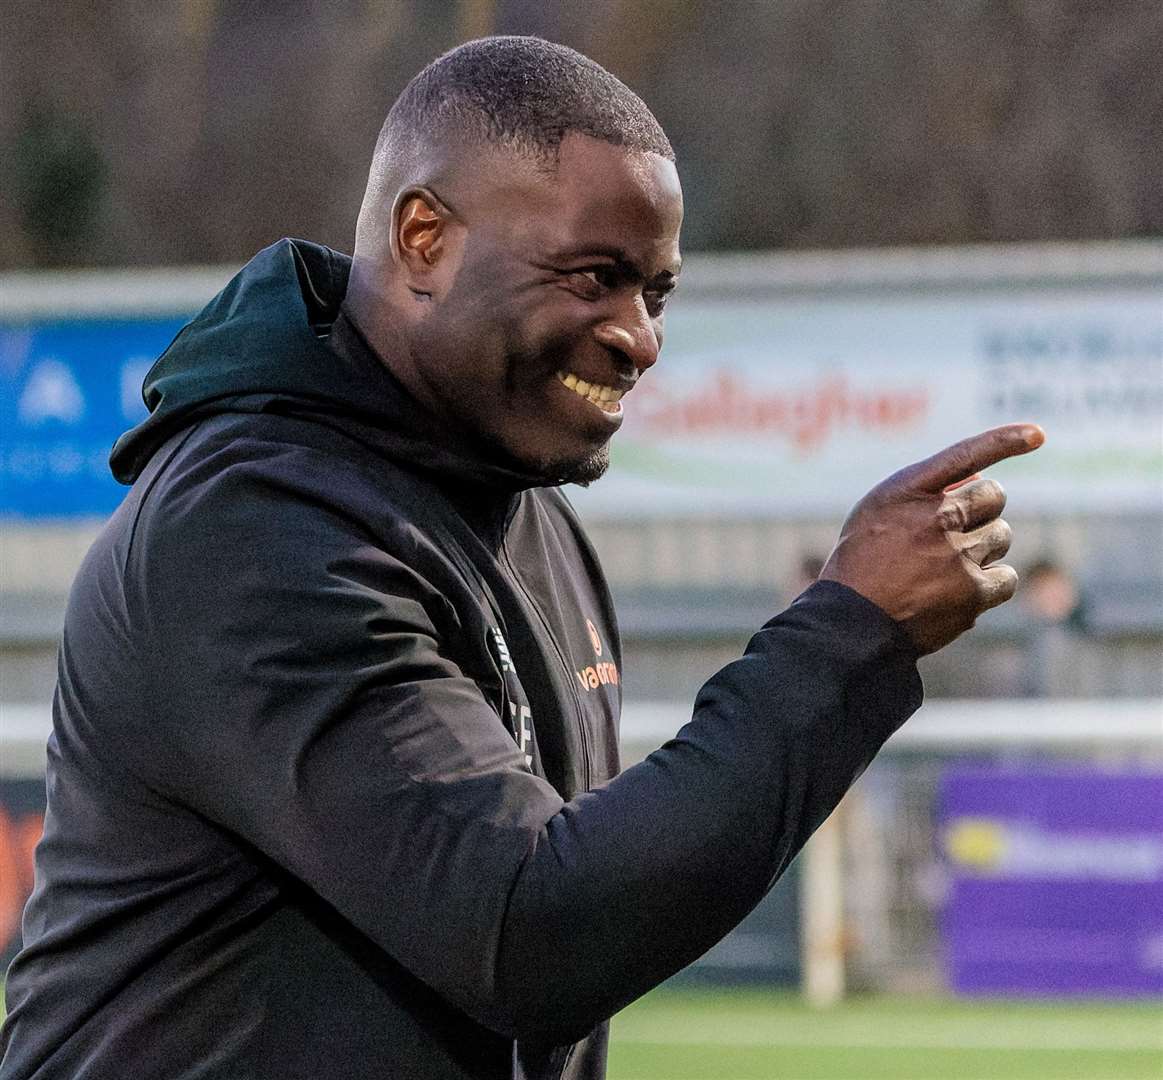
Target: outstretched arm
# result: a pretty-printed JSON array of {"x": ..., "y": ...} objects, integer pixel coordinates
[{"x": 330, "y": 726}]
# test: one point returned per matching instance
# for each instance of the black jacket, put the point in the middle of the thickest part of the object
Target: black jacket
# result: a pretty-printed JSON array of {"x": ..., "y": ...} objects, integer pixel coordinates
[{"x": 331, "y": 781}]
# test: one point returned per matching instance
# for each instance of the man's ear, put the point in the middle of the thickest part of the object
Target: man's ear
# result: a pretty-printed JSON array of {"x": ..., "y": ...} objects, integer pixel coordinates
[{"x": 422, "y": 239}]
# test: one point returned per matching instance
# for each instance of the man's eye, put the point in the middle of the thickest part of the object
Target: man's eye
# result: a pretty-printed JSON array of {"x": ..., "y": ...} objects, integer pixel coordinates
[{"x": 595, "y": 279}]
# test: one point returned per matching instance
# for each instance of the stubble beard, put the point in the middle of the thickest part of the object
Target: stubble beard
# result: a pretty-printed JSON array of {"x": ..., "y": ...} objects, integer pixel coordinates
[
  {"x": 583, "y": 471},
  {"x": 552, "y": 472}
]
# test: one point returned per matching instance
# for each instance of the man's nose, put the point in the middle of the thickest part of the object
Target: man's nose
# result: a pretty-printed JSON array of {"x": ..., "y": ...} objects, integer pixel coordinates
[{"x": 634, "y": 335}]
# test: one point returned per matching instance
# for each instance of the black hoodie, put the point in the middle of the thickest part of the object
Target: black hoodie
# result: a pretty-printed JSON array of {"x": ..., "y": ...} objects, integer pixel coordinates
[{"x": 332, "y": 776}]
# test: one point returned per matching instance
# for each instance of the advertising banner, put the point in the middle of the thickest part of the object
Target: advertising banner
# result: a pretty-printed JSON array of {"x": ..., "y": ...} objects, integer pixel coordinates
[
  {"x": 1056, "y": 880},
  {"x": 799, "y": 404},
  {"x": 787, "y": 403},
  {"x": 68, "y": 389}
]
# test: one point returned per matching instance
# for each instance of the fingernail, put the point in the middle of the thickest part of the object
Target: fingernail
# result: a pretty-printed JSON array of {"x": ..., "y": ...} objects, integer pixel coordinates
[{"x": 1033, "y": 435}]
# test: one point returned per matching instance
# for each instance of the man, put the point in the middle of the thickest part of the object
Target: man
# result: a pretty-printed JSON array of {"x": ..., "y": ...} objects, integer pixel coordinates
[{"x": 327, "y": 797}]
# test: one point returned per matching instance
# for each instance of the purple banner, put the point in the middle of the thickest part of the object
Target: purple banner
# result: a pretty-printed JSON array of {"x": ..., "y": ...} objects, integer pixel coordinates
[{"x": 1056, "y": 880}]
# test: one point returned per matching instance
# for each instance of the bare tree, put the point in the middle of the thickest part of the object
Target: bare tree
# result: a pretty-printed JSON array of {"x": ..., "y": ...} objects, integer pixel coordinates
[{"x": 199, "y": 130}]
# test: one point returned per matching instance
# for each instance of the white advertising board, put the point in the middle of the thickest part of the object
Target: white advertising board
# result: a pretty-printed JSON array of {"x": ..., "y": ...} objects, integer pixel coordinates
[
  {"x": 797, "y": 403},
  {"x": 792, "y": 382}
]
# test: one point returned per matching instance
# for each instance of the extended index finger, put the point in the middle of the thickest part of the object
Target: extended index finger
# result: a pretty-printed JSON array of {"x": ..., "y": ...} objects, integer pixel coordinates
[{"x": 964, "y": 458}]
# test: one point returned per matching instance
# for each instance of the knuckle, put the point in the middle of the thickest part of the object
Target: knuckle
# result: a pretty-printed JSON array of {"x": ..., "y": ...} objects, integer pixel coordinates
[
  {"x": 993, "y": 494},
  {"x": 980, "y": 551},
  {"x": 960, "y": 458},
  {"x": 952, "y": 515},
  {"x": 1002, "y": 439},
  {"x": 959, "y": 453},
  {"x": 995, "y": 545},
  {"x": 1003, "y": 581},
  {"x": 983, "y": 494}
]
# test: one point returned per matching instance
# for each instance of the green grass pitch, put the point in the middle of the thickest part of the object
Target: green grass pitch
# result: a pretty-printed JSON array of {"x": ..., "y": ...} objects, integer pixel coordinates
[
  {"x": 757, "y": 1035},
  {"x": 754, "y": 1035}
]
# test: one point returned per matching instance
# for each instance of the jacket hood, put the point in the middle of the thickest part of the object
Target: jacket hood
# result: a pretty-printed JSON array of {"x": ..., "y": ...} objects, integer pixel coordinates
[{"x": 261, "y": 345}]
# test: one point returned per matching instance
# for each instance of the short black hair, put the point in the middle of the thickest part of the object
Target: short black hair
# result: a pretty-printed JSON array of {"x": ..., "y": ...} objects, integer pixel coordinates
[{"x": 522, "y": 92}]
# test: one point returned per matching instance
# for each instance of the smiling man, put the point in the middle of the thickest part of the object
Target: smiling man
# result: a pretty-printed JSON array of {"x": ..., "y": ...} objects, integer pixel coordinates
[
  {"x": 333, "y": 782},
  {"x": 516, "y": 249}
]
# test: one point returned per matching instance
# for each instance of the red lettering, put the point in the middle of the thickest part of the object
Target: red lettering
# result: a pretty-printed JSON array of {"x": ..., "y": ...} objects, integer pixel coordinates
[{"x": 807, "y": 415}]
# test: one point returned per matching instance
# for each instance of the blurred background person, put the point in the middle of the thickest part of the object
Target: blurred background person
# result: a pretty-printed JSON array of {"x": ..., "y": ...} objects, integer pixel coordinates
[{"x": 1052, "y": 606}]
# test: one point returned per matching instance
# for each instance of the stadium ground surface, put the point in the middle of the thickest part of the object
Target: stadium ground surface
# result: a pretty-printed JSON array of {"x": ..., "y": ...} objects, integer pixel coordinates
[
  {"x": 758, "y": 1035},
  {"x": 752, "y": 1035}
]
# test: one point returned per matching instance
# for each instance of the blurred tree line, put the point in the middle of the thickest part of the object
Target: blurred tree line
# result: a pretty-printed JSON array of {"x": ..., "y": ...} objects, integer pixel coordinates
[{"x": 174, "y": 131}]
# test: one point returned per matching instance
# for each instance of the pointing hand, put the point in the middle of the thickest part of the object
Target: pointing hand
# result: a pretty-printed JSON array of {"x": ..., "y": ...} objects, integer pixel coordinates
[{"x": 922, "y": 544}]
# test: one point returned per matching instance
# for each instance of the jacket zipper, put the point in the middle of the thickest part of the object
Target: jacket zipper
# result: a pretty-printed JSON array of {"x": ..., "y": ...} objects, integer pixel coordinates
[{"x": 568, "y": 671}]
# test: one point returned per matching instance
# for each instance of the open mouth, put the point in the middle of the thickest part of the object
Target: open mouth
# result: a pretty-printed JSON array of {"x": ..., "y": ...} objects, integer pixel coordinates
[{"x": 605, "y": 398}]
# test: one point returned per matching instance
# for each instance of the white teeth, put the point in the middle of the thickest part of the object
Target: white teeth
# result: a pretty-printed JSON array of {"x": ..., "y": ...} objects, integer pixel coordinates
[{"x": 605, "y": 397}]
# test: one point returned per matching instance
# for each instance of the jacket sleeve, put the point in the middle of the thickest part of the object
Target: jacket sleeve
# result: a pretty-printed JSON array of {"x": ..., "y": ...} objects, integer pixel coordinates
[{"x": 309, "y": 701}]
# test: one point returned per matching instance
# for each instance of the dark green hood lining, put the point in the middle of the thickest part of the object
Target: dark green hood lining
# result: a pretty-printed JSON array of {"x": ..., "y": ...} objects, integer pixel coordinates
[{"x": 261, "y": 345}]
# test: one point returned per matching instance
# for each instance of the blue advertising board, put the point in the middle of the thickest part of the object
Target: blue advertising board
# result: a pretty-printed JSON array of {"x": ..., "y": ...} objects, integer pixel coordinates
[{"x": 68, "y": 389}]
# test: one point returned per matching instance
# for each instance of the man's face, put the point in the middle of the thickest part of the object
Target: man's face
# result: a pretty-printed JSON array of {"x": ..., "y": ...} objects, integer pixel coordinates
[{"x": 556, "y": 306}]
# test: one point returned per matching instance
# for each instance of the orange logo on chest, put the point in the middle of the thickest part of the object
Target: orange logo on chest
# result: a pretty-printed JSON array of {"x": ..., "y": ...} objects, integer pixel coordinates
[
  {"x": 603, "y": 673},
  {"x": 600, "y": 674}
]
